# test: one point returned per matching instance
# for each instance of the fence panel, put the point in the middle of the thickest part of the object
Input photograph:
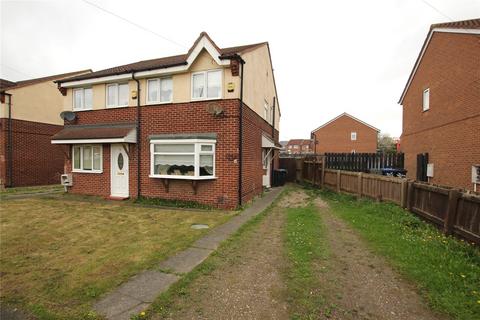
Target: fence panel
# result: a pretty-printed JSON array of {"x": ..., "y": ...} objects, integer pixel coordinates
[{"x": 364, "y": 162}]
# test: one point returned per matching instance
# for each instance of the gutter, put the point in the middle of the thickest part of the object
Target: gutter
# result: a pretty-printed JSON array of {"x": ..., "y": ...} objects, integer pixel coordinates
[
  {"x": 137, "y": 127},
  {"x": 240, "y": 132},
  {"x": 9, "y": 143}
]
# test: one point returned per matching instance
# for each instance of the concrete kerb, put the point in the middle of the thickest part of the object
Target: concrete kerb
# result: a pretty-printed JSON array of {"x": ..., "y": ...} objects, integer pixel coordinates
[{"x": 136, "y": 295}]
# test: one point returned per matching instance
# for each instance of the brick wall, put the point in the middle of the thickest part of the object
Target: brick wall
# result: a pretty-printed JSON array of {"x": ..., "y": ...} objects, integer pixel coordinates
[
  {"x": 335, "y": 137},
  {"x": 450, "y": 130},
  {"x": 184, "y": 118},
  {"x": 35, "y": 160}
]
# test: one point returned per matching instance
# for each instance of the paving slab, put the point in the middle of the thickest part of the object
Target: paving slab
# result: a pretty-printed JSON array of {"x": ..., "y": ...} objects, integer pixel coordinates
[
  {"x": 186, "y": 260},
  {"x": 136, "y": 295}
]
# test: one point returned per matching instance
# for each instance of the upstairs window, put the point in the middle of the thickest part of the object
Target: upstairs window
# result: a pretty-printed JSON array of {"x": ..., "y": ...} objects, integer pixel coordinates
[
  {"x": 82, "y": 99},
  {"x": 353, "y": 136},
  {"x": 182, "y": 159},
  {"x": 426, "y": 99},
  {"x": 207, "y": 85},
  {"x": 117, "y": 95},
  {"x": 159, "y": 90}
]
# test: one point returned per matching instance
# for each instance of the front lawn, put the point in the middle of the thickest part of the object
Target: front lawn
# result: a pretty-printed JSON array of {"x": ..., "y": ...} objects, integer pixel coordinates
[
  {"x": 445, "y": 269},
  {"x": 58, "y": 255}
]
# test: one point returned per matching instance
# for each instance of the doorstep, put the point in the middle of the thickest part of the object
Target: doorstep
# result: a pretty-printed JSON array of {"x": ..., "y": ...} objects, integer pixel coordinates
[{"x": 116, "y": 198}]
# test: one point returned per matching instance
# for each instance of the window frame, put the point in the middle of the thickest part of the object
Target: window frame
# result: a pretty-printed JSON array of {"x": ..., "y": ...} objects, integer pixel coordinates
[
  {"x": 83, "y": 107},
  {"x": 205, "y": 83},
  {"x": 426, "y": 106},
  {"x": 159, "y": 101},
  {"x": 117, "y": 85},
  {"x": 82, "y": 170},
  {"x": 196, "y": 153},
  {"x": 353, "y": 136}
]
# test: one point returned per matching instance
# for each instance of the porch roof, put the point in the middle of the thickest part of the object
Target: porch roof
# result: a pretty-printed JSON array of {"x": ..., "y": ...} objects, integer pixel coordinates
[{"x": 98, "y": 133}]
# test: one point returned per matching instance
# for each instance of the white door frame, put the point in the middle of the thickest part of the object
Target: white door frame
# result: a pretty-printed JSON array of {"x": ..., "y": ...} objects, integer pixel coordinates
[
  {"x": 266, "y": 178},
  {"x": 119, "y": 178}
]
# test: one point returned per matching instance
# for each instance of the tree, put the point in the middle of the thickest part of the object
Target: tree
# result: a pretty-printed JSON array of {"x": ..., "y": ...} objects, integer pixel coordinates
[{"x": 386, "y": 143}]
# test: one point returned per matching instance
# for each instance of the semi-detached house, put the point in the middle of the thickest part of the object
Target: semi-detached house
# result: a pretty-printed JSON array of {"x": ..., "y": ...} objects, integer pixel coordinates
[{"x": 201, "y": 126}]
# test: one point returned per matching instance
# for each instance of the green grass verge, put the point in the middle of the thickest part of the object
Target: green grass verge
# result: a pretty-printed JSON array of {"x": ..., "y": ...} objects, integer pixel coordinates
[
  {"x": 446, "y": 270},
  {"x": 164, "y": 304},
  {"x": 34, "y": 189},
  {"x": 305, "y": 247},
  {"x": 172, "y": 203}
]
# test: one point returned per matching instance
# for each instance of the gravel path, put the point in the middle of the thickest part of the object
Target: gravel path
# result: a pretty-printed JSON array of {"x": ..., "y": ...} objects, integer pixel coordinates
[
  {"x": 248, "y": 283},
  {"x": 361, "y": 285}
]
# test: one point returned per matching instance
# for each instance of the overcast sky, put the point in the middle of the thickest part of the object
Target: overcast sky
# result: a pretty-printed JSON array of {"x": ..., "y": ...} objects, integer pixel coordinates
[{"x": 329, "y": 57}]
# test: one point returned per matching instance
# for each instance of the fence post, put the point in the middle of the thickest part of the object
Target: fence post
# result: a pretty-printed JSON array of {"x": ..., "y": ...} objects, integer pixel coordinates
[
  {"x": 338, "y": 180},
  {"x": 450, "y": 217},
  {"x": 410, "y": 195},
  {"x": 379, "y": 190},
  {"x": 359, "y": 185},
  {"x": 299, "y": 166},
  {"x": 403, "y": 194},
  {"x": 323, "y": 171}
]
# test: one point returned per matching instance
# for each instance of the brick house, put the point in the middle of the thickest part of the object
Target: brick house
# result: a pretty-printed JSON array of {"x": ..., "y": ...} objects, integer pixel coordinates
[
  {"x": 29, "y": 116},
  {"x": 299, "y": 146},
  {"x": 343, "y": 134},
  {"x": 201, "y": 126},
  {"x": 441, "y": 106}
]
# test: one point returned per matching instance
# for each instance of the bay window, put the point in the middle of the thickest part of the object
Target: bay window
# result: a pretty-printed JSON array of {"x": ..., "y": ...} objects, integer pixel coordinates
[
  {"x": 182, "y": 159},
  {"x": 117, "y": 95},
  {"x": 159, "y": 90},
  {"x": 82, "y": 99},
  {"x": 207, "y": 85},
  {"x": 87, "y": 158}
]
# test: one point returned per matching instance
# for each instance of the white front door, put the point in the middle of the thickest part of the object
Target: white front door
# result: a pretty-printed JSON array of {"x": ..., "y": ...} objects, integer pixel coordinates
[
  {"x": 267, "y": 159},
  {"x": 119, "y": 171}
]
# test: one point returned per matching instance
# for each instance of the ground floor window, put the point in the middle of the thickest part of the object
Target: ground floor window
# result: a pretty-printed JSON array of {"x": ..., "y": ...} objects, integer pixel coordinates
[
  {"x": 182, "y": 159},
  {"x": 87, "y": 158}
]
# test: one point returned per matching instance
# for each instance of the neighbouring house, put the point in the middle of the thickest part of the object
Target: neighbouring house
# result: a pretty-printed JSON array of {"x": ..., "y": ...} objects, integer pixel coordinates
[
  {"x": 299, "y": 146},
  {"x": 201, "y": 126},
  {"x": 29, "y": 116},
  {"x": 343, "y": 134},
  {"x": 283, "y": 146},
  {"x": 441, "y": 106}
]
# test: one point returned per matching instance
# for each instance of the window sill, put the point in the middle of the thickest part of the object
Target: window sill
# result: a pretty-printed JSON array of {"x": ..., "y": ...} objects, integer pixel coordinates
[
  {"x": 204, "y": 99},
  {"x": 115, "y": 107},
  {"x": 87, "y": 171},
  {"x": 80, "y": 110},
  {"x": 152, "y": 103},
  {"x": 183, "y": 177}
]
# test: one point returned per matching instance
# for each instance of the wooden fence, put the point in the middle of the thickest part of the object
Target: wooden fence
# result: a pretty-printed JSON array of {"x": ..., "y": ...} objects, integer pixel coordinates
[
  {"x": 363, "y": 162},
  {"x": 455, "y": 212}
]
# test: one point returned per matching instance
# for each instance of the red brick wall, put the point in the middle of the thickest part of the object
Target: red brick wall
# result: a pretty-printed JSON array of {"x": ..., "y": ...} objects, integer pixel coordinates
[
  {"x": 335, "y": 137},
  {"x": 183, "y": 118},
  {"x": 252, "y": 169},
  {"x": 450, "y": 130},
  {"x": 35, "y": 160}
]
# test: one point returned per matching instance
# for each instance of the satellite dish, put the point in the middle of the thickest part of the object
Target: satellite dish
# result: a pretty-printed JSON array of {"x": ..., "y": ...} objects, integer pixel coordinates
[
  {"x": 214, "y": 108},
  {"x": 67, "y": 115}
]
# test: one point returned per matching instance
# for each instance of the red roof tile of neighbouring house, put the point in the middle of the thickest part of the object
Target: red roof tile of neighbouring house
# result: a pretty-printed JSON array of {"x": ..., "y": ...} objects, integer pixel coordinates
[
  {"x": 465, "y": 24},
  {"x": 165, "y": 62},
  {"x": 6, "y": 84}
]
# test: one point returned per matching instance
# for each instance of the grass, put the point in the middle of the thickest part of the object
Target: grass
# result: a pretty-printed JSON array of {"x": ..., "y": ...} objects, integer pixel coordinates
[
  {"x": 59, "y": 255},
  {"x": 445, "y": 269},
  {"x": 305, "y": 247},
  {"x": 172, "y": 203},
  {"x": 34, "y": 189},
  {"x": 225, "y": 254}
]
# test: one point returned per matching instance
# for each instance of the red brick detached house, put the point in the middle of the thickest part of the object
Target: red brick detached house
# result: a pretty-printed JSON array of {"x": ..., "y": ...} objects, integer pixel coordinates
[
  {"x": 201, "y": 126},
  {"x": 441, "y": 106},
  {"x": 29, "y": 116},
  {"x": 345, "y": 133}
]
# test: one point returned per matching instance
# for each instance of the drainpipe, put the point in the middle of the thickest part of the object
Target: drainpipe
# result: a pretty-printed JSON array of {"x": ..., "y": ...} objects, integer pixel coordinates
[
  {"x": 10, "y": 142},
  {"x": 138, "y": 134},
  {"x": 240, "y": 133},
  {"x": 273, "y": 138}
]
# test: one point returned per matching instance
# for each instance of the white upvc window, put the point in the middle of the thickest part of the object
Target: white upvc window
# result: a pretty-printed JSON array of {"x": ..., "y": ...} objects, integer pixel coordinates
[
  {"x": 117, "y": 95},
  {"x": 87, "y": 158},
  {"x": 207, "y": 85},
  {"x": 353, "y": 136},
  {"x": 159, "y": 90},
  {"x": 82, "y": 99},
  {"x": 426, "y": 99},
  {"x": 191, "y": 159},
  {"x": 266, "y": 111}
]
